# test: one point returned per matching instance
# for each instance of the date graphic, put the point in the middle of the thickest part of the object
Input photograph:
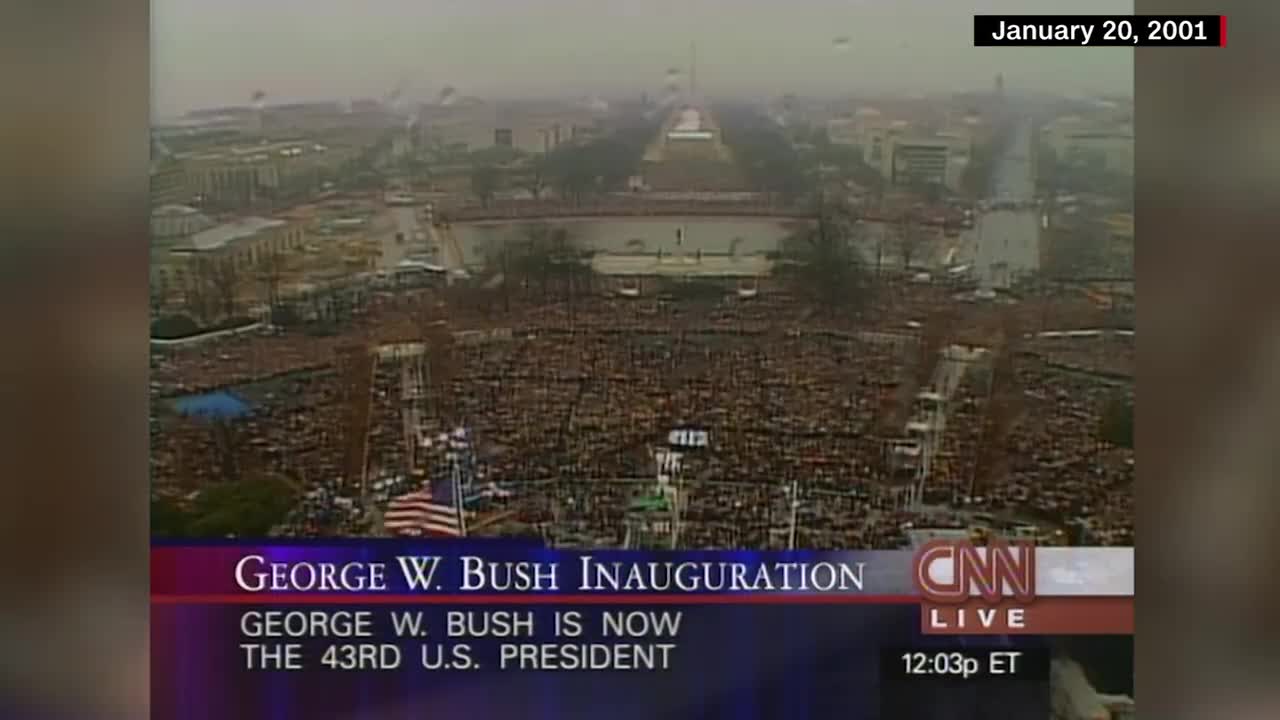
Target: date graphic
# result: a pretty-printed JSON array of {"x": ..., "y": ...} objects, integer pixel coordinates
[{"x": 1099, "y": 30}]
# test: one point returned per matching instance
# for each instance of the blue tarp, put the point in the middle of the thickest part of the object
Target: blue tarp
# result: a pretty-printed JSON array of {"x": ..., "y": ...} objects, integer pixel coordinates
[{"x": 214, "y": 406}]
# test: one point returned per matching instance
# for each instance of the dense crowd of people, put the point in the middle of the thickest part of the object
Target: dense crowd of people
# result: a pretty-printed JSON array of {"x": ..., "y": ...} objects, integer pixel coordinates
[{"x": 568, "y": 408}]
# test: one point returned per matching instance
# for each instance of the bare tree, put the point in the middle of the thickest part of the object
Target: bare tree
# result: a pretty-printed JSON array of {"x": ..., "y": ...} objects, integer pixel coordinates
[
  {"x": 225, "y": 280},
  {"x": 909, "y": 241},
  {"x": 822, "y": 263}
]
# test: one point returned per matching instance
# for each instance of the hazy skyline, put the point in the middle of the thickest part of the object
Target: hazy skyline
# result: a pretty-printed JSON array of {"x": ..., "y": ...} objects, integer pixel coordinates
[{"x": 207, "y": 54}]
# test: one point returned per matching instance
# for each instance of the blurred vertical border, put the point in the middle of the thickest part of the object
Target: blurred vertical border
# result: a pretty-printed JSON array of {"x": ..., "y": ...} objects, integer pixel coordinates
[
  {"x": 73, "y": 358},
  {"x": 74, "y": 124},
  {"x": 1208, "y": 172}
]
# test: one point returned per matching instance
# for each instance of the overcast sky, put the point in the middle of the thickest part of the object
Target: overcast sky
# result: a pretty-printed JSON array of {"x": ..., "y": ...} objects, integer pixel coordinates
[{"x": 217, "y": 52}]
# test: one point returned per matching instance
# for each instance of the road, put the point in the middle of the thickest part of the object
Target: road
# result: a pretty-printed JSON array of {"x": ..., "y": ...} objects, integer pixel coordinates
[
  {"x": 404, "y": 219},
  {"x": 1006, "y": 243},
  {"x": 385, "y": 224}
]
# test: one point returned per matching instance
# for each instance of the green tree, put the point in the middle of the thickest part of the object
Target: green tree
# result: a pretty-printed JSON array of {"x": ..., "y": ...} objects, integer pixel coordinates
[
  {"x": 242, "y": 508},
  {"x": 168, "y": 518}
]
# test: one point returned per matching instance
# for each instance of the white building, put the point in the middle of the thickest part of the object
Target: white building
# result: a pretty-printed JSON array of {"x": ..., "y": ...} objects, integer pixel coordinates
[
  {"x": 171, "y": 223},
  {"x": 1077, "y": 141},
  {"x": 937, "y": 160}
]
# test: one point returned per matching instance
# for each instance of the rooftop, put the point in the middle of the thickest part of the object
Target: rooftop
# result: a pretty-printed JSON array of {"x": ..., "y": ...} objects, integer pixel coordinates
[
  {"x": 227, "y": 233},
  {"x": 261, "y": 152},
  {"x": 174, "y": 211}
]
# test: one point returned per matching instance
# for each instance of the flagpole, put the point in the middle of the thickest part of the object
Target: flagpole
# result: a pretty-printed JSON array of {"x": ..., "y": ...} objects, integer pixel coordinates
[
  {"x": 457, "y": 494},
  {"x": 795, "y": 514},
  {"x": 675, "y": 510}
]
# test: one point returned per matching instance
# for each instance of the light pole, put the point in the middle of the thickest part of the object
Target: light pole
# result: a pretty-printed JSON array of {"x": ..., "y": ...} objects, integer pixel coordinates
[{"x": 794, "y": 494}]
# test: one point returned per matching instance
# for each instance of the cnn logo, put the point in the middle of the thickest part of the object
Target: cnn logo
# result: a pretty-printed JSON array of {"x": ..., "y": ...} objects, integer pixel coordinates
[{"x": 953, "y": 571}]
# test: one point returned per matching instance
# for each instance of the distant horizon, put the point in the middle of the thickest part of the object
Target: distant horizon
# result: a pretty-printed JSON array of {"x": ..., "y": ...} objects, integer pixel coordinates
[
  {"x": 207, "y": 54},
  {"x": 622, "y": 97}
]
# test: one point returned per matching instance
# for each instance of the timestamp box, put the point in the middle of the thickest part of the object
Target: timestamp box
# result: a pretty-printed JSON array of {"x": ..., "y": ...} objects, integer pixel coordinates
[{"x": 964, "y": 683}]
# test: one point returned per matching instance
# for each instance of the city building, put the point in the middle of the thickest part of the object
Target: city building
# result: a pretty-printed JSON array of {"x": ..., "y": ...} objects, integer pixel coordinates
[
  {"x": 467, "y": 124},
  {"x": 242, "y": 175},
  {"x": 171, "y": 224},
  {"x": 238, "y": 118},
  {"x": 168, "y": 180},
  {"x": 531, "y": 127},
  {"x": 936, "y": 160},
  {"x": 688, "y": 134},
  {"x": 876, "y": 136},
  {"x": 243, "y": 244},
  {"x": 1120, "y": 226},
  {"x": 856, "y": 128},
  {"x": 1078, "y": 141},
  {"x": 367, "y": 113},
  {"x": 688, "y": 155},
  {"x": 536, "y": 127},
  {"x": 843, "y": 131},
  {"x": 305, "y": 116}
]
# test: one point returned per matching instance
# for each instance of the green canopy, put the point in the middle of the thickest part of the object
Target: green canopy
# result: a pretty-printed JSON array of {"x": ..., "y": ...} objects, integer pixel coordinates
[{"x": 649, "y": 503}]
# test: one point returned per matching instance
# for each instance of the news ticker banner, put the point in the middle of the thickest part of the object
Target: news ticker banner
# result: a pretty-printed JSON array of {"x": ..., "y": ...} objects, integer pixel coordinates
[
  {"x": 1100, "y": 30},
  {"x": 959, "y": 588},
  {"x": 285, "y": 630}
]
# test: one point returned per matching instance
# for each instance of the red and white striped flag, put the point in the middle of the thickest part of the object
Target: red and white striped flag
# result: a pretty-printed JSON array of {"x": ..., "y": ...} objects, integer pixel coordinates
[{"x": 431, "y": 511}]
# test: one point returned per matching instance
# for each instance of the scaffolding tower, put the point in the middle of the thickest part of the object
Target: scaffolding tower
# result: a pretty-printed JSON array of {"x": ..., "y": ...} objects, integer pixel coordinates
[
  {"x": 414, "y": 382},
  {"x": 356, "y": 365}
]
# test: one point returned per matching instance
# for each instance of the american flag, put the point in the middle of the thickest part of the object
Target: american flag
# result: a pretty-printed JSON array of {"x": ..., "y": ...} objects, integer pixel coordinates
[
  {"x": 437, "y": 509},
  {"x": 431, "y": 511}
]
